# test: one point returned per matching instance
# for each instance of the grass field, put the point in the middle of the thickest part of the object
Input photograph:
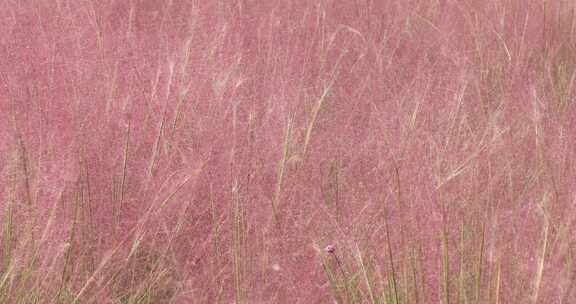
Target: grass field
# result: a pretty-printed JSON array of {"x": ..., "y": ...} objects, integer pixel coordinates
[{"x": 298, "y": 151}]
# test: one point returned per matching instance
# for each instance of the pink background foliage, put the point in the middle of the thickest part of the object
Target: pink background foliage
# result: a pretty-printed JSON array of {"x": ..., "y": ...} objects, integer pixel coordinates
[{"x": 206, "y": 89}]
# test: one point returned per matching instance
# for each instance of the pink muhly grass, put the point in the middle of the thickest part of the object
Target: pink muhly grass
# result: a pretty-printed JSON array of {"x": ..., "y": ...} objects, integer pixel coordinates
[{"x": 197, "y": 152}]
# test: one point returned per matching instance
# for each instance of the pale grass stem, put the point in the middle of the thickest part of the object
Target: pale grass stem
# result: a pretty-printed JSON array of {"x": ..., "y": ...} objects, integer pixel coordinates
[
  {"x": 367, "y": 280},
  {"x": 462, "y": 279},
  {"x": 542, "y": 255},
  {"x": 68, "y": 256},
  {"x": 237, "y": 246},
  {"x": 318, "y": 106},
  {"x": 480, "y": 264},
  {"x": 215, "y": 231},
  {"x": 570, "y": 274},
  {"x": 124, "y": 173},
  {"x": 445, "y": 263},
  {"x": 8, "y": 229},
  {"x": 445, "y": 266},
  {"x": 281, "y": 170},
  {"x": 312, "y": 122},
  {"x": 497, "y": 287},
  {"x": 155, "y": 151},
  {"x": 28, "y": 192},
  {"x": 414, "y": 276},
  {"x": 403, "y": 228},
  {"x": 391, "y": 258}
]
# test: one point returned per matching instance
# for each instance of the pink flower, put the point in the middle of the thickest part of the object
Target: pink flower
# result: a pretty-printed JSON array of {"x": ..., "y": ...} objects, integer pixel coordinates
[{"x": 330, "y": 249}]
